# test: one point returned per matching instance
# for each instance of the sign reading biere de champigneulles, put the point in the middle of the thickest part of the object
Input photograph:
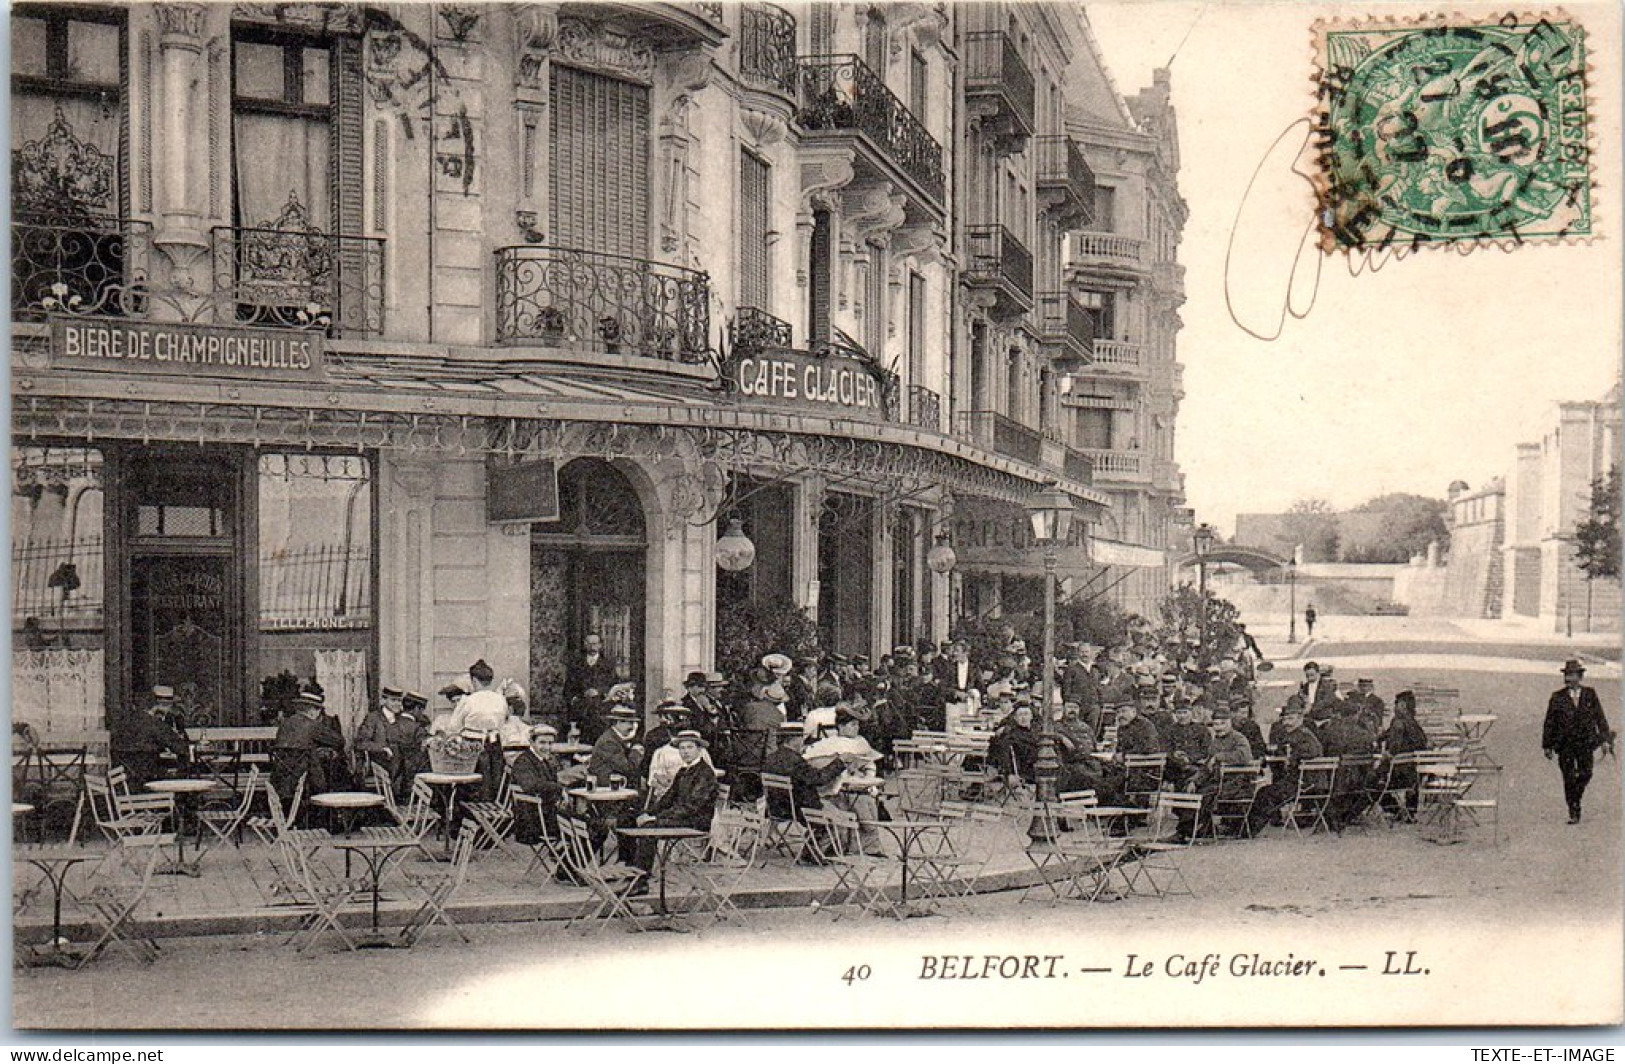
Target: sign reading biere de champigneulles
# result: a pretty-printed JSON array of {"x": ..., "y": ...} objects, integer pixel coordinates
[{"x": 185, "y": 350}]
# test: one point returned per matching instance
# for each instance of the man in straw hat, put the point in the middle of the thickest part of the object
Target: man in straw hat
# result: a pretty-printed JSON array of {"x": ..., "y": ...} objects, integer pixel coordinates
[
  {"x": 145, "y": 737},
  {"x": 1575, "y": 727}
]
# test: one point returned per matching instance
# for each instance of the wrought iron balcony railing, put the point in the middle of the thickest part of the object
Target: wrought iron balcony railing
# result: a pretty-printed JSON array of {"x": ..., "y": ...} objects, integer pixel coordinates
[
  {"x": 80, "y": 264},
  {"x": 1067, "y": 324},
  {"x": 1065, "y": 181},
  {"x": 924, "y": 408},
  {"x": 841, "y": 93},
  {"x": 998, "y": 258},
  {"x": 753, "y": 330},
  {"x": 767, "y": 47},
  {"x": 996, "y": 73},
  {"x": 301, "y": 279},
  {"x": 994, "y": 432},
  {"x": 614, "y": 304}
]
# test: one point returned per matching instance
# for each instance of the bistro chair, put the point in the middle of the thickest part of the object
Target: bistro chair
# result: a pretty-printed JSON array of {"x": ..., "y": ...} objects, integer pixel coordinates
[
  {"x": 786, "y": 833},
  {"x": 120, "y": 886},
  {"x": 439, "y": 887},
  {"x": 118, "y": 818},
  {"x": 227, "y": 824},
  {"x": 832, "y": 837},
  {"x": 495, "y": 819},
  {"x": 547, "y": 852},
  {"x": 1157, "y": 855},
  {"x": 1233, "y": 801},
  {"x": 1317, "y": 782},
  {"x": 315, "y": 890},
  {"x": 611, "y": 883},
  {"x": 728, "y": 857},
  {"x": 1142, "y": 777}
]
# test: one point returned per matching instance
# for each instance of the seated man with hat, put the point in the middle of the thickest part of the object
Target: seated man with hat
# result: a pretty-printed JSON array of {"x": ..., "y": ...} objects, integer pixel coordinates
[
  {"x": 661, "y": 757},
  {"x": 389, "y": 737},
  {"x": 704, "y": 708},
  {"x": 615, "y": 754},
  {"x": 848, "y": 747},
  {"x": 144, "y": 738},
  {"x": 536, "y": 772},
  {"x": 305, "y": 748},
  {"x": 805, "y": 779},
  {"x": 687, "y": 803}
]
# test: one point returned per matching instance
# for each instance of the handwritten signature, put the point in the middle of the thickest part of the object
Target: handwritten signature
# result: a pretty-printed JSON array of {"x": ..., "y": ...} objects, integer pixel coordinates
[{"x": 1273, "y": 262}]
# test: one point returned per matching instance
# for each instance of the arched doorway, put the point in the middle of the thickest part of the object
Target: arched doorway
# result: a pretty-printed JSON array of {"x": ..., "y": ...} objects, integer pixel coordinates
[{"x": 587, "y": 574}]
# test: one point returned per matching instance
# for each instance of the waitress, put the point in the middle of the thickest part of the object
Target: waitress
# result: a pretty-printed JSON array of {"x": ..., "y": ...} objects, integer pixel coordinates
[{"x": 480, "y": 716}]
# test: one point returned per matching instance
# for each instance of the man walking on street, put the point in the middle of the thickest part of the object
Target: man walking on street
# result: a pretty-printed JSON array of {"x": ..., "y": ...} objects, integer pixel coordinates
[
  {"x": 1309, "y": 616},
  {"x": 1575, "y": 727}
]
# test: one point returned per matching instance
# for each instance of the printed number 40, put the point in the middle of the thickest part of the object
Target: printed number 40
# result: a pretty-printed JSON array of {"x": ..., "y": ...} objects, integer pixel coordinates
[{"x": 855, "y": 974}]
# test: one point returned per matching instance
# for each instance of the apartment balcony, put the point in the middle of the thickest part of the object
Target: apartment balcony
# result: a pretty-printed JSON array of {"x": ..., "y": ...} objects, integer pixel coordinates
[
  {"x": 609, "y": 304},
  {"x": 1066, "y": 330},
  {"x": 78, "y": 265},
  {"x": 999, "y": 265},
  {"x": 994, "y": 432},
  {"x": 1066, "y": 184},
  {"x": 842, "y": 99},
  {"x": 1116, "y": 358},
  {"x": 924, "y": 408},
  {"x": 661, "y": 25},
  {"x": 1107, "y": 253},
  {"x": 1121, "y": 467},
  {"x": 754, "y": 330},
  {"x": 1000, "y": 92},
  {"x": 767, "y": 48},
  {"x": 300, "y": 279},
  {"x": 1078, "y": 466}
]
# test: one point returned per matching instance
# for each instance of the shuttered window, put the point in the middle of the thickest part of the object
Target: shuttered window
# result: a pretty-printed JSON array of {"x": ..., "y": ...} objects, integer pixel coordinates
[
  {"x": 755, "y": 276},
  {"x": 600, "y": 166},
  {"x": 819, "y": 280},
  {"x": 875, "y": 302}
]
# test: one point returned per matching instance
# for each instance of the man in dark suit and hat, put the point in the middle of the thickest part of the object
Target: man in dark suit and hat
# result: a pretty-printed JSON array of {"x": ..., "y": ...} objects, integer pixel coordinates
[
  {"x": 1575, "y": 727},
  {"x": 145, "y": 737}
]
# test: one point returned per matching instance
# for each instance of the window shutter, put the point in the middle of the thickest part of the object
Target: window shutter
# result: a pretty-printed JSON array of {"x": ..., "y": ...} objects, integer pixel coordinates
[
  {"x": 755, "y": 278},
  {"x": 348, "y": 156},
  {"x": 819, "y": 282},
  {"x": 599, "y": 181}
]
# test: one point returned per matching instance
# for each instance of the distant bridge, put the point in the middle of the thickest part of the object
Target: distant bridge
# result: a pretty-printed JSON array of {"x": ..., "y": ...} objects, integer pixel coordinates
[{"x": 1253, "y": 558}]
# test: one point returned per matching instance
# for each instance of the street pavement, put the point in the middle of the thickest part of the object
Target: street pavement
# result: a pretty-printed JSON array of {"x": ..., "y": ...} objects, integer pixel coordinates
[{"x": 1523, "y": 929}]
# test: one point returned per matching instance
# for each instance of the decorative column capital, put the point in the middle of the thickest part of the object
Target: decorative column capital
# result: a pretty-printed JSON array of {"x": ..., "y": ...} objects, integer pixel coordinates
[{"x": 180, "y": 25}]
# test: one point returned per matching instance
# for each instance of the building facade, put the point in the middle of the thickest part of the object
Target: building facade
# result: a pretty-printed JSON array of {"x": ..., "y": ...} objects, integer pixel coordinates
[
  {"x": 358, "y": 342},
  {"x": 1548, "y": 492}
]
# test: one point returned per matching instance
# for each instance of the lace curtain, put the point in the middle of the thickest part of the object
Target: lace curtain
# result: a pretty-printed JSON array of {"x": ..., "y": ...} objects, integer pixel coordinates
[{"x": 59, "y": 692}]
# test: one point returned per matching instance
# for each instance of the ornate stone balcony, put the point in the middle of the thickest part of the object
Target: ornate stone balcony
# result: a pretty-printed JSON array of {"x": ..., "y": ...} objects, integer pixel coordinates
[
  {"x": 1119, "y": 466},
  {"x": 1107, "y": 252},
  {"x": 1066, "y": 330}
]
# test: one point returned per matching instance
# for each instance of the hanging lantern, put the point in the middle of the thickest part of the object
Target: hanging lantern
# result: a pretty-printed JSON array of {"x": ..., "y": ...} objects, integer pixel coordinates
[
  {"x": 735, "y": 551},
  {"x": 941, "y": 558}
]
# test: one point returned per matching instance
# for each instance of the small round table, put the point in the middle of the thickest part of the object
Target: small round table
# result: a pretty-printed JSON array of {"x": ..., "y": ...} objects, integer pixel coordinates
[
  {"x": 379, "y": 851},
  {"x": 664, "y": 839},
  {"x": 348, "y": 804},
  {"x": 186, "y": 792},
  {"x": 449, "y": 782},
  {"x": 907, "y": 833},
  {"x": 55, "y": 864}
]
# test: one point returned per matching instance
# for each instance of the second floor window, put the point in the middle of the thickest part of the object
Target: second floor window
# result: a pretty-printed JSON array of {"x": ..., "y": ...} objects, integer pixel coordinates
[
  {"x": 755, "y": 265},
  {"x": 281, "y": 129}
]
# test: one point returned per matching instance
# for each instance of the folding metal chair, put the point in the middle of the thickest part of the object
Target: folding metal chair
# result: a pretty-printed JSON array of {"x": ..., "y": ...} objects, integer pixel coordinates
[
  {"x": 269, "y": 828},
  {"x": 611, "y": 883},
  {"x": 439, "y": 887},
  {"x": 1142, "y": 777},
  {"x": 419, "y": 815},
  {"x": 832, "y": 837},
  {"x": 1397, "y": 793},
  {"x": 1156, "y": 860},
  {"x": 1479, "y": 800},
  {"x": 787, "y": 834},
  {"x": 227, "y": 824},
  {"x": 729, "y": 855},
  {"x": 320, "y": 894},
  {"x": 919, "y": 791},
  {"x": 547, "y": 852},
  {"x": 118, "y": 819},
  {"x": 1317, "y": 781},
  {"x": 120, "y": 886},
  {"x": 1077, "y": 863},
  {"x": 494, "y": 820},
  {"x": 1233, "y": 801}
]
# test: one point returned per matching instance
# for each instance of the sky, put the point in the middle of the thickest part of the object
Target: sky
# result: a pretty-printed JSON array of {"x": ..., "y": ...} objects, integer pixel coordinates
[{"x": 1426, "y": 371}]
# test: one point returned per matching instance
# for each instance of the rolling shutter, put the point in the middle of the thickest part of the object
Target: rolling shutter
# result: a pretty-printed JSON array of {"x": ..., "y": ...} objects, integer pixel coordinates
[
  {"x": 819, "y": 281},
  {"x": 599, "y": 181}
]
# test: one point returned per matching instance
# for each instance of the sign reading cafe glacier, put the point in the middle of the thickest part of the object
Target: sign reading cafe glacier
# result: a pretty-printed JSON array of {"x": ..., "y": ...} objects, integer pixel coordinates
[
  {"x": 836, "y": 387},
  {"x": 177, "y": 349}
]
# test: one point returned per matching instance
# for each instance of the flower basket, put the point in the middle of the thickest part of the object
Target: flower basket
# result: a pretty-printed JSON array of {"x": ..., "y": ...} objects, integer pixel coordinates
[{"x": 453, "y": 755}]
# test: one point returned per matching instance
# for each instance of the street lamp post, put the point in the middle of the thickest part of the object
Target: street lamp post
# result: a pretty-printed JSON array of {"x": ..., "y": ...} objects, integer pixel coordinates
[
  {"x": 1202, "y": 538},
  {"x": 1051, "y": 516},
  {"x": 1292, "y": 601}
]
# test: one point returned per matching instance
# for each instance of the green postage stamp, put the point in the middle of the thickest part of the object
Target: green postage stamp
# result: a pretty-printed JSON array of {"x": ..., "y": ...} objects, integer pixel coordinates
[{"x": 1453, "y": 132}]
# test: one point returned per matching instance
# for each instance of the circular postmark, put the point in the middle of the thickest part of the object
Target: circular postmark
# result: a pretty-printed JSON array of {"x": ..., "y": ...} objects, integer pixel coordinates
[{"x": 1453, "y": 133}]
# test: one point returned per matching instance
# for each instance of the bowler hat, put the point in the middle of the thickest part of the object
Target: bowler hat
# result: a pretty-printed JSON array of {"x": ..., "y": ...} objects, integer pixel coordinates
[
  {"x": 1573, "y": 665},
  {"x": 694, "y": 679},
  {"x": 163, "y": 693}
]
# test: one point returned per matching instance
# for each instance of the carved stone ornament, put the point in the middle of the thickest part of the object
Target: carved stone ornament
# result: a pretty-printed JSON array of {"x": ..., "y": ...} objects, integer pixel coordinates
[
  {"x": 872, "y": 212},
  {"x": 180, "y": 21},
  {"x": 458, "y": 22},
  {"x": 823, "y": 172},
  {"x": 535, "y": 27},
  {"x": 922, "y": 242},
  {"x": 593, "y": 44},
  {"x": 763, "y": 128},
  {"x": 331, "y": 18}
]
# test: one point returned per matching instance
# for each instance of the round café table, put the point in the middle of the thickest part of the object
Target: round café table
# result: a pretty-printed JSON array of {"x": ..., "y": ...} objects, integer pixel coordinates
[
  {"x": 348, "y": 805},
  {"x": 446, "y": 783},
  {"x": 908, "y": 833},
  {"x": 186, "y": 792},
  {"x": 380, "y": 850},
  {"x": 665, "y": 839},
  {"x": 18, "y": 809},
  {"x": 54, "y": 864}
]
